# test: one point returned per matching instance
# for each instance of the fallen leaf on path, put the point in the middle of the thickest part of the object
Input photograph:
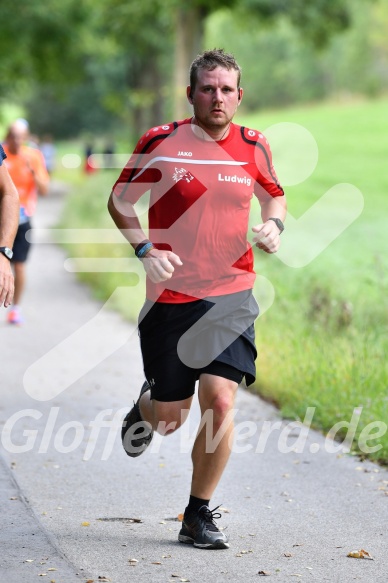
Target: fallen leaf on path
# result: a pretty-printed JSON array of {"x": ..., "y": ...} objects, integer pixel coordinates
[
  {"x": 224, "y": 509},
  {"x": 264, "y": 573},
  {"x": 30, "y": 560},
  {"x": 180, "y": 517},
  {"x": 361, "y": 554},
  {"x": 156, "y": 563},
  {"x": 102, "y": 578},
  {"x": 42, "y": 575},
  {"x": 90, "y": 581},
  {"x": 85, "y": 523},
  {"x": 14, "y": 498},
  {"x": 287, "y": 554},
  {"x": 133, "y": 561},
  {"x": 52, "y": 569}
]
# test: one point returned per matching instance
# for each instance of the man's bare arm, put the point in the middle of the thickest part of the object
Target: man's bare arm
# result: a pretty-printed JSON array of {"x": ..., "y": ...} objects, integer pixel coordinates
[
  {"x": 9, "y": 220},
  {"x": 159, "y": 265},
  {"x": 267, "y": 233}
]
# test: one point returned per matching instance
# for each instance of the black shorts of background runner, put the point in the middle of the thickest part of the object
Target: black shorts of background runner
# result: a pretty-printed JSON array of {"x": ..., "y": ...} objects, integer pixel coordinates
[
  {"x": 179, "y": 342},
  {"x": 21, "y": 246}
]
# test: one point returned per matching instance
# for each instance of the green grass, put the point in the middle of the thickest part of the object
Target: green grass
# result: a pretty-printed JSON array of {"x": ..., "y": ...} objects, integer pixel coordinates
[{"x": 324, "y": 341}]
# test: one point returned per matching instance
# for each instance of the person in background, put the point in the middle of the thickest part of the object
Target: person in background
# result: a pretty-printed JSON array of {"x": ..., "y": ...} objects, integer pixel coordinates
[
  {"x": 108, "y": 154},
  {"x": 48, "y": 150},
  {"x": 88, "y": 166},
  {"x": 28, "y": 171},
  {"x": 9, "y": 219}
]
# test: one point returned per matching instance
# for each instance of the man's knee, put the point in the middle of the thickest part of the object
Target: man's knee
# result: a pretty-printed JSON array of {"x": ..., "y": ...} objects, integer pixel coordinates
[
  {"x": 222, "y": 404},
  {"x": 217, "y": 400}
]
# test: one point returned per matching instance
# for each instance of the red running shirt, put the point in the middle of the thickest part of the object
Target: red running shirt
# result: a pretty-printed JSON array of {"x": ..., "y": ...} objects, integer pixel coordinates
[{"x": 200, "y": 196}]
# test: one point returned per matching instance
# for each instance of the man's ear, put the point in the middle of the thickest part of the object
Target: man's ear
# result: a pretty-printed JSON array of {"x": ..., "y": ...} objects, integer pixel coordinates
[{"x": 189, "y": 94}]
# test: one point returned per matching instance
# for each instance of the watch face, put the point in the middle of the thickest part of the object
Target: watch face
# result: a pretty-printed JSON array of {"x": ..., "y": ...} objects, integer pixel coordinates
[{"x": 7, "y": 252}]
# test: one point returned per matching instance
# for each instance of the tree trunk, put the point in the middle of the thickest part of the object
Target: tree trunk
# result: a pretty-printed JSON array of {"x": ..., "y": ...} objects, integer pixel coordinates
[
  {"x": 148, "y": 107},
  {"x": 188, "y": 43}
]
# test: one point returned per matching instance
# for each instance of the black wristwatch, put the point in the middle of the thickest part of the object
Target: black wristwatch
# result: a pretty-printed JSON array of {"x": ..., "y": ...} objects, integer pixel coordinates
[
  {"x": 278, "y": 222},
  {"x": 7, "y": 252}
]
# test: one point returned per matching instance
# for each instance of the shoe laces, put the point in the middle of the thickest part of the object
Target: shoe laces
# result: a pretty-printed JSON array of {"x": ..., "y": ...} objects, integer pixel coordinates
[{"x": 209, "y": 516}]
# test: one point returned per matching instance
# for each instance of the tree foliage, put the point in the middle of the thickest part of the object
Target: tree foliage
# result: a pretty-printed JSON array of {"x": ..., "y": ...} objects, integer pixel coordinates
[
  {"x": 97, "y": 61},
  {"x": 41, "y": 40}
]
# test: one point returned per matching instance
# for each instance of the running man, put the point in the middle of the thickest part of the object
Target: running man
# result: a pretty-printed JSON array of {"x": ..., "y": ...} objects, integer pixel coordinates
[
  {"x": 28, "y": 171},
  {"x": 197, "y": 323}
]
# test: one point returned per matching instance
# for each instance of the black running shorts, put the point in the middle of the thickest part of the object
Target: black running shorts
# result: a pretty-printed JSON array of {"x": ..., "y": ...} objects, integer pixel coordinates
[
  {"x": 179, "y": 342},
  {"x": 21, "y": 246}
]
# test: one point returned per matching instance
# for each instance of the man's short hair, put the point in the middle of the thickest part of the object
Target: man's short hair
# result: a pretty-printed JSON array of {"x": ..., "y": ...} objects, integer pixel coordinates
[{"x": 210, "y": 60}]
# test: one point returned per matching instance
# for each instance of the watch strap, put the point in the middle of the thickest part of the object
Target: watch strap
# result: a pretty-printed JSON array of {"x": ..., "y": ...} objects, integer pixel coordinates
[{"x": 278, "y": 223}]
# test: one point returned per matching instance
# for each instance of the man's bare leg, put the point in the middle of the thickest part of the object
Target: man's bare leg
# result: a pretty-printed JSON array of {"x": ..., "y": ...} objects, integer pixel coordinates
[
  {"x": 210, "y": 456},
  {"x": 164, "y": 417},
  {"x": 20, "y": 280}
]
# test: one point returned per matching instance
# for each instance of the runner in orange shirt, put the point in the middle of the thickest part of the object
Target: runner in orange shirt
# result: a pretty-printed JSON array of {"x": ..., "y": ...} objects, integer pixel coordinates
[{"x": 28, "y": 171}]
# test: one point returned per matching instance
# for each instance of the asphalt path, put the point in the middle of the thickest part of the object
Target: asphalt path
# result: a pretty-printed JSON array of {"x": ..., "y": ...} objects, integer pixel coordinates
[{"x": 76, "y": 508}]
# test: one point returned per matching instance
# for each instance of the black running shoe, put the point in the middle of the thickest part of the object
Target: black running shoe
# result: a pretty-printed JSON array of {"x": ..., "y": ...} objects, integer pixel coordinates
[
  {"x": 136, "y": 434},
  {"x": 200, "y": 530}
]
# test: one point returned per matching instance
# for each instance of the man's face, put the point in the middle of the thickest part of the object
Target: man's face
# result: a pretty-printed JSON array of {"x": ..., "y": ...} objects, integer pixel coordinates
[
  {"x": 15, "y": 138},
  {"x": 215, "y": 98}
]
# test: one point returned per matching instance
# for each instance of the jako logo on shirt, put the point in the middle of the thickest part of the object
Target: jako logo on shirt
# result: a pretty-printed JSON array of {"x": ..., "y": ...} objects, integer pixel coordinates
[
  {"x": 188, "y": 154},
  {"x": 234, "y": 178}
]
